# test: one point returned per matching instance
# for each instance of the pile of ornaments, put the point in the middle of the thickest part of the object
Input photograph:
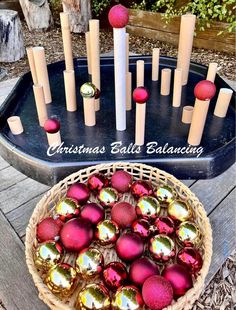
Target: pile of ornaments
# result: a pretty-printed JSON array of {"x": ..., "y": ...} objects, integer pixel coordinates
[{"x": 126, "y": 256}]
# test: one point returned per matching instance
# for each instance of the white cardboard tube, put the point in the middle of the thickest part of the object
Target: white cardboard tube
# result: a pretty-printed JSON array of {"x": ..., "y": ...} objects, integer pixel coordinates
[
  {"x": 42, "y": 72},
  {"x": 211, "y": 73},
  {"x": 127, "y": 52},
  {"x": 128, "y": 91},
  {"x": 140, "y": 73},
  {"x": 70, "y": 91},
  {"x": 140, "y": 123},
  {"x": 165, "y": 81},
  {"x": 120, "y": 77},
  {"x": 89, "y": 111},
  {"x": 30, "y": 55},
  {"x": 66, "y": 38},
  {"x": 155, "y": 64},
  {"x": 223, "y": 102},
  {"x": 40, "y": 104},
  {"x": 187, "y": 114},
  {"x": 177, "y": 88},
  {"x": 88, "y": 49},
  {"x": 15, "y": 125},
  {"x": 186, "y": 35},
  {"x": 54, "y": 139}
]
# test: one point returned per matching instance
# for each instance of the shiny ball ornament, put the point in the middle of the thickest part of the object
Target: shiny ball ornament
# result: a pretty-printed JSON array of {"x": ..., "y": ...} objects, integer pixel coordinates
[
  {"x": 129, "y": 246},
  {"x": 179, "y": 211},
  {"x": 61, "y": 279},
  {"x": 97, "y": 93},
  {"x": 76, "y": 235},
  {"x": 66, "y": 209},
  {"x": 118, "y": 16},
  {"x": 142, "y": 228},
  {"x": 165, "y": 195},
  {"x": 141, "y": 269},
  {"x": 48, "y": 229},
  {"x": 97, "y": 181},
  {"x": 191, "y": 259},
  {"x": 140, "y": 94},
  {"x": 79, "y": 192},
  {"x": 93, "y": 212},
  {"x": 93, "y": 296},
  {"x": 204, "y": 90},
  {"x": 89, "y": 262},
  {"x": 115, "y": 275},
  {"x": 48, "y": 254},
  {"x": 141, "y": 188},
  {"x": 108, "y": 197},
  {"x": 188, "y": 234},
  {"x": 157, "y": 293},
  {"x": 148, "y": 207},
  {"x": 52, "y": 125},
  {"x": 121, "y": 180},
  {"x": 88, "y": 90},
  {"x": 162, "y": 248},
  {"x": 107, "y": 232},
  {"x": 127, "y": 298},
  {"x": 123, "y": 213},
  {"x": 165, "y": 225},
  {"x": 179, "y": 277}
]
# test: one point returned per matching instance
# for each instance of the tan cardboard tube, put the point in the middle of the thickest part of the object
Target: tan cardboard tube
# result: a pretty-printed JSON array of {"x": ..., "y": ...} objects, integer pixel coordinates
[
  {"x": 66, "y": 38},
  {"x": 165, "y": 81},
  {"x": 140, "y": 123},
  {"x": 15, "y": 125},
  {"x": 128, "y": 91},
  {"x": 54, "y": 138},
  {"x": 212, "y": 70},
  {"x": 155, "y": 64},
  {"x": 187, "y": 114},
  {"x": 223, "y": 102},
  {"x": 140, "y": 73},
  {"x": 88, "y": 49},
  {"x": 127, "y": 52},
  {"x": 40, "y": 104},
  {"x": 42, "y": 72},
  {"x": 70, "y": 91},
  {"x": 198, "y": 121},
  {"x": 30, "y": 55},
  {"x": 177, "y": 88},
  {"x": 186, "y": 35},
  {"x": 89, "y": 111},
  {"x": 95, "y": 56}
]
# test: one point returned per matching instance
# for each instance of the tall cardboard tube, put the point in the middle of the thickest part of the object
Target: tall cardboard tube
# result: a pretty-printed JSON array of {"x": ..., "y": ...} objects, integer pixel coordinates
[
  {"x": 89, "y": 111},
  {"x": 127, "y": 52},
  {"x": 88, "y": 50},
  {"x": 155, "y": 64},
  {"x": 140, "y": 73},
  {"x": 177, "y": 88},
  {"x": 223, "y": 102},
  {"x": 70, "y": 90},
  {"x": 15, "y": 125},
  {"x": 30, "y": 56},
  {"x": 54, "y": 139},
  {"x": 66, "y": 38},
  {"x": 140, "y": 123},
  {"x": 42, "y": 72},
  {"x": 40, "y": 104},
  {"x": 186, "y": 35},
  {"x": 165, "y": 81},
  {"x": 128, "y": 91},
  {"x": 211, "y": 73},
  {"x": 187, "y": 114},
  {"x": 198, "y": 121}
]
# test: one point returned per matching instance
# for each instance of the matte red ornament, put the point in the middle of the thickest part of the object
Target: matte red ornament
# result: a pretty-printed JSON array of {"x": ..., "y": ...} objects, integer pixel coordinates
[
  {"x": 79, "y": 192},
  {"x": 141, "y": 269},
  {"x": 121, "y": 181},
  {"x": 141, "y": 188},
  {"x": 205, "y": 90},
  {"x": 165, "y": 225},
  {"x": 52, "y": 125},
  {"x": 179, "y": 277},
  {"x": 157, "y": 293},
  {"x": 48, "y": 229},
  {"x": 129, "y": 246},
  {"x": 115, "y": 275},
  {"x": 142, "y": 228},
  {"x": 118, "y": 16},
  {"x": 140, "y": 94},
  {"x": 93, "y": 212},
  {"x": 76, "y": 235},
  {"x": 97, "y": 181},
  {"x": 123, "y": 213},
  {"x": 190, "y": 258}
]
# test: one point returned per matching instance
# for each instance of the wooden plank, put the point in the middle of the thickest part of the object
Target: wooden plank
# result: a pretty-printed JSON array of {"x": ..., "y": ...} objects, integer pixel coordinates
[
  {"x": 9, "y": 177},
  {"x": 17, "y": 290},
  {"x": 3, "y": 163}
]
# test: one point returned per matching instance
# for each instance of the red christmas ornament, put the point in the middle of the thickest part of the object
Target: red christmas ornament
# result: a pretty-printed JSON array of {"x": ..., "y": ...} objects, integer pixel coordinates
[
  {"x": 93, "y": 213},
  {"x": 142, "y": 228},
  {"x": 118, "y": 16},
  {"x": 79, "y": 192},
  {"x": 121, "y": 181},
  {"x": 123, "y": 213},
  {"x": 76, "y": 235},
  {"x": 52, "y": 125},
  {"x": 140, "y": 94},
  {"x": 115, "y": 275},
  {"x": 140, "y": 188},
  {"x": 97, "y": 181},
  {"x": 190, "y": 258},
  {"x": 165, "y": 225},
  {"x": 48, "y": 229},
  {"x": 179, "y": 277},
  {"x": 205, "y": 90},
  {"x": 141, "y": 269},
  {"x": 97, "y": 94},
  {"x": 129, "y": 247},
  {"x": 157, "y": 292}
]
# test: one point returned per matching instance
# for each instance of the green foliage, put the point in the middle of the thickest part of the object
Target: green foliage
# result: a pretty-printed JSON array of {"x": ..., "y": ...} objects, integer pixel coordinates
[{"x": 98, "y": 6}]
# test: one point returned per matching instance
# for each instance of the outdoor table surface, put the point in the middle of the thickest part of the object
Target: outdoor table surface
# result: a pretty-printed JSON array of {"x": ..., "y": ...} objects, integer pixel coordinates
[{"x": 20, "y": 194}]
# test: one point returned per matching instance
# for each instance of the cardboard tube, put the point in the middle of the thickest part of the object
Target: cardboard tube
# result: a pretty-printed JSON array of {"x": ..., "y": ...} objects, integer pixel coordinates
[
  {"x": 95, "y": 56},
  {"x": 211, "y": 73},
  {"x": 42, "y": 72},
  {"x": 165, "y": 81},
  {"x": 89, "y": 111},
  {"x": 186, "y": 35},
  {"x": 187, "y": 114},
  {"x": 140, "y": 123},
  {"x": 127, "y": 52},
  {"x": 54, "y": 139},
  {"x": 140, "y": 72},
  {"x": 66, "y": 38},
  {"x": 155, "y": 64},
  {"x": 177, "y": 88},
  {"x": 223, "y": 102},
  {"x": 198, "y": 121},
  {"x": 40, "y": 104},
  {"x": 128, "y": 91},
  {"x": 15, "y": 125},
  {"x": 70, "y": 91},
  {"x": 30, "y": 55},
  {"x": 88, "y": 49}
]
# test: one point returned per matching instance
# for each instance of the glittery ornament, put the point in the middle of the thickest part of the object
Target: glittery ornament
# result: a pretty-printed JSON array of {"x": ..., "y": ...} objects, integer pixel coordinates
[{"x": 48, "y": 229}]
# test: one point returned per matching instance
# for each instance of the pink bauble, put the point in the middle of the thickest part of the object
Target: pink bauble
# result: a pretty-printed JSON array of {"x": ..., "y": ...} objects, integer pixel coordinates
[
  {"x": 123, "y": 213},
  {"x": 140, "y": 94},
  {"x": 52, "y": 125},
  {"x": 141, "y": 188},
  {"x": 141, "y": 269},
  {"x": 179, "y": 277},
  {"x": 115, "y": 275},
  {"x": 205, "y": 90},
  {"x": 118, "y": 16},
  {"x": 190, "y": 258},
  {"x": 97, "y": 181},
  {"x": 79, "y": 192},
  {"x": 93, "y": 212},
  {"x": 76, "y": 235},
  {"x": 121, "y": 181},
  {"x": 165, "y": 225},
  {"x": 48, "y": 229},
  {"x": 129, "y": 247},
  {"x": 157, "y": 292},
  {"x": 142, "y": 228}
]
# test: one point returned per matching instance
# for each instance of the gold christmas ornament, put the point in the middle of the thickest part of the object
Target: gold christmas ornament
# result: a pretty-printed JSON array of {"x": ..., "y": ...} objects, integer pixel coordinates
[
  {"x": 162, "y": 248},
  {"x": 47, "y": 254},
  {"x": 89, "y": 262},
  {"x": 107, "y": 232},
  {"x": 179, "y": 210},
  {"x": 88, "y": 90},
  {"x": 189, "y": 234},
  {"x": 93, "y": 296},
  {"x": 127, "y": 298},
  {"x": 148, "y": 207},
  {"x": 108, "y": 196},
  {"x": 165, "y": 194},
  {"x": 67, "y": 208}
]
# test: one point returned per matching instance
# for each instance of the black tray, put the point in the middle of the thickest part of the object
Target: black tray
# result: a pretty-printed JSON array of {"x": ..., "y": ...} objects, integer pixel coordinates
[{"x": 28, "y": 152}]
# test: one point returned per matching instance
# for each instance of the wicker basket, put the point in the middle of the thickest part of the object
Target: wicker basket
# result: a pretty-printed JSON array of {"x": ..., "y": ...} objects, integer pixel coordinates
[{"x": 139, "y": 171}]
